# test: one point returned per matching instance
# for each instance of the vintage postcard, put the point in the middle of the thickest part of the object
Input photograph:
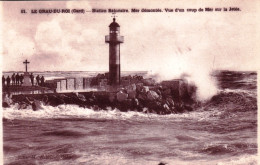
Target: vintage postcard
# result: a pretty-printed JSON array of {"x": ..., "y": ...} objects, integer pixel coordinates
[{"x": 129, "y": 82}]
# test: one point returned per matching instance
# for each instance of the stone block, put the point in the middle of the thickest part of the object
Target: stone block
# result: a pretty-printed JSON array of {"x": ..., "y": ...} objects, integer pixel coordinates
[
  {"x": 63, "y": 85},
  {"x": 70, "y": 84},
  {"x": 175, "y": 86},
  {"x": 58, "y": 89},
  {"x": 79, "y": 83},
  {"x": 86, "y": 82},
  {"x": 166, "y": 92}
]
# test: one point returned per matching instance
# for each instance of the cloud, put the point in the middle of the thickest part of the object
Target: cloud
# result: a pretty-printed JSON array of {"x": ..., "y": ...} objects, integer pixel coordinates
[
  {"x": 71, "y": 44},
  {"x": 16, "y": 48}
]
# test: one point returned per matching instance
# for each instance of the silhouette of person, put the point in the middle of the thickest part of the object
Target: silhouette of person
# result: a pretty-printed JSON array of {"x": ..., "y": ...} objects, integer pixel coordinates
[
  {"x": 8, "y": 81},
  {"x": 38, "y": 79},
  {"x": 21, "y": 79},
  {"x": 32, "y": 79},
  {"x": 13, "y": 79},
  {"x": 3, "y": 80},
  {"x": 17, "y": 79},
  {"x": 42, "y": 81}
]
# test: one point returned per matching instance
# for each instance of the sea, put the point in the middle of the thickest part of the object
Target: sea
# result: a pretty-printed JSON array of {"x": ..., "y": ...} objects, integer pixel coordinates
[{"x": 222, "y": 131}]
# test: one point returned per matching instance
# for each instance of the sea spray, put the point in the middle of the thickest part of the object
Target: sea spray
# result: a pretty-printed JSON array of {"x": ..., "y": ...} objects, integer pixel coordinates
[{"x": 195, "y": 66}]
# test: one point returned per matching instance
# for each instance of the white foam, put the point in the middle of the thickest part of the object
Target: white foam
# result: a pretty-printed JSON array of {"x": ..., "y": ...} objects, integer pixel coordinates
[
  {"x": 242, "y": 160},
  {"x": 68, "y": 111},
  {"x": 121, "y": 159}
]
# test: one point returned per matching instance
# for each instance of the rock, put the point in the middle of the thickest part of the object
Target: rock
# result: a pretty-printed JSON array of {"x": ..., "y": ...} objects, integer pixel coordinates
[
  {"x": 95, "y": 108},
  {"x": 183, "y": 89},
  {"x": 62, "y": 96},
  {"x": 187, "y": 107},
  {"x": 145, "y": 89},
  {"x": 151, "y": 95},
  {"x": 153, "y": 105},
  {"x": 149, "y": 82},
  {"x": 121, "y": 96},
  {"x": 112, "y": 97},
  {"x": 152, "y": 111},
  {"x": 73, "y": 98},
  {"x": 45, "y": 99},
  {"x": 135, "y": 102},
  {"x": 69, "y": 98},
  {"x": 91, "y": 100},
  {"x": 158, "y": 92},
  {"x": 55, "y": 101},
  {"x": 139, "y": 86},
  {"x": 166, "y": 92},
  {"x": 36, "y": 105},
  {"x": 131, "y": 91},
  {"x": 170, "y": 102},
  {"x": 192, "y": 90},
  {"x": 166, "y": 107},
  {"x": 131, "y": 94},
  {"x": 130, "y": 88},
  {"x": 22, "y": 105},
  {"x": 7, "y": 100},
  {"x": 125, "y": 105},
  {"x": 82, "y": 97},
  {"x": 142, "y": 96},
  {"x": 5, "y": 105}
]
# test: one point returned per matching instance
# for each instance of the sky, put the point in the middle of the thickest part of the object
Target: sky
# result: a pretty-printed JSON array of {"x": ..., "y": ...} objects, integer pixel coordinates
[{"x": 155, "y": 42}]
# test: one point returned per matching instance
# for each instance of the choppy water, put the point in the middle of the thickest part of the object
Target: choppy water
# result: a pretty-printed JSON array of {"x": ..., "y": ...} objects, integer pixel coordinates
[{"x": 223, "y": 131}]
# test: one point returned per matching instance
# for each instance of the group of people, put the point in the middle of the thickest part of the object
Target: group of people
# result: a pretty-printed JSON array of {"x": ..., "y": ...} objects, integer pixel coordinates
[
  {"x": 39, "y": 80},
  {"x": 17, "y": 80}
]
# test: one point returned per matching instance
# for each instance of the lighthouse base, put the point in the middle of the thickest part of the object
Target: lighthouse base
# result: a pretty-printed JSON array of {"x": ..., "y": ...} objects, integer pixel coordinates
[{"x": 114, "y": 74}]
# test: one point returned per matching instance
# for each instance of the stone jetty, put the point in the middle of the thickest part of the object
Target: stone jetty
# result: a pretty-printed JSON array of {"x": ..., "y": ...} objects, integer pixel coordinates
[{"x": 175, "y": 96}]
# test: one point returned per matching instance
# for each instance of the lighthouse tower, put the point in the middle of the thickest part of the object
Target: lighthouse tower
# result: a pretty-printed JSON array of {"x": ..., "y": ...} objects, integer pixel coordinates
[{"x": 114, "y": 39}]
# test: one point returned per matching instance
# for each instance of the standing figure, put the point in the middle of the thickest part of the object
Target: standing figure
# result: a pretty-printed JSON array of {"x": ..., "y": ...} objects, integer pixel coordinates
[
  {"x": 3, "y": 80},
  {"x": 8, "y": 81},
  {"x": 42, "y": 81},
  {"x": 32, "y": 79},
  {"x": 38, "y": 80},
  {"x": 17, "y": 79},
  {"x": 21, "y": 79},
  {"x": 13, "y": 79}
]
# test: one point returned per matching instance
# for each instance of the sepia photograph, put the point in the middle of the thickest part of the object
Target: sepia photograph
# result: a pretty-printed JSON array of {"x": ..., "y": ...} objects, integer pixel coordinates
[{"x": 129, "y": 82}]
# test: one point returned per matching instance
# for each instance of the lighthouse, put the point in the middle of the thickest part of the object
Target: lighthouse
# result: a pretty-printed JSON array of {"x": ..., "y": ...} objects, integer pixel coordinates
[{"x": 114, "y": 39}]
